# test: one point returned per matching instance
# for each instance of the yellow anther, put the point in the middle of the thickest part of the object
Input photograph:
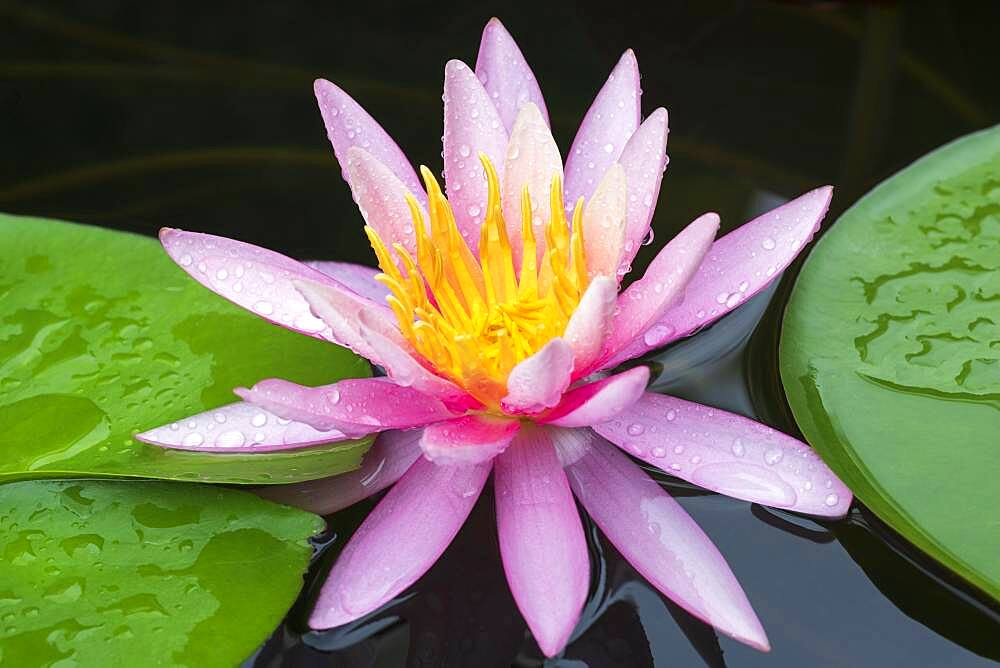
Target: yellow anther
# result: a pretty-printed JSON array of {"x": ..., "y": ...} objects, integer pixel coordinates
[{"x": 471, "y": 319}]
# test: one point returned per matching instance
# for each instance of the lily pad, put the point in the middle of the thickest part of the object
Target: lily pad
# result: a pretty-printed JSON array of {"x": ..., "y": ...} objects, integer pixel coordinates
[
  {"x": 102, "y": 336},
  {"x": 144, "y": 573},
  {"x": 890, "y": 354}
]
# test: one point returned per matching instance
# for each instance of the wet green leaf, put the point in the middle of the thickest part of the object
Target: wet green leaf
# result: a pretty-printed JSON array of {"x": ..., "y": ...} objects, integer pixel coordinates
[
  {"x": 101, "y": 337},
  {"x": 123, "y": 573},
  {"x": 890, "y": 353}
]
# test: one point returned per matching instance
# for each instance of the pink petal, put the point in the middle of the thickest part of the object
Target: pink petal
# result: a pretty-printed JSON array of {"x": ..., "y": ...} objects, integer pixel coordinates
[
  {"x": 604, "y": 224},
  {"x": 505, "y": 74},
  {"x": 239, "y": 427},
  {"x": 388, "y": 459},
  {"x": 644, "y": 159},
  {"x": 469, "y": 439},
  {"x": 656, "y": 536},
  {"x": 402, "y": 537},
  {"x": 355, "y": 277},
  {"x": 355, "y": 406},
  {"x": 348, "y": 124},
  {"x": 541, "y": 539},
  {"x": 538, "y": 382},
  {"x": 599, "y": 401},
  {"x": 257, "y": 279},
  {"x": 343, "y": 312},
  {"x": 405, "y": 370},
  {"x": 590, "y": 323},
  {"x": 729, "y": 454},
  {"x": 646, "y": 300},
  {"x": 471, "y": 125},
  {"x": 381, "y": 197},
  {"x": 607, "y": 127},
  {"x": 532, "y": 161},
  {"x": 738, "y": 266}
]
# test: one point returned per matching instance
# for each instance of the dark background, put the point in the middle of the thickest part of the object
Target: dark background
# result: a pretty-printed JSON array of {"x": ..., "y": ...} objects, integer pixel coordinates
[{"x": 200, "y": 115}]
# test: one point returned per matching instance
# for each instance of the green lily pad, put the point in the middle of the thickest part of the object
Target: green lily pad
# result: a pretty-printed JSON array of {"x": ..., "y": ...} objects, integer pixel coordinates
[
  {"x": 123, "y": 573},
  {"x": 101, "y": 337},
  {"x": 890, "y": 354}
]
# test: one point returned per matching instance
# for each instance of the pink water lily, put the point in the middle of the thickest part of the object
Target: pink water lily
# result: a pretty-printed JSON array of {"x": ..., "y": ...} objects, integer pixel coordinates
[{"x": 498, "y": 319}]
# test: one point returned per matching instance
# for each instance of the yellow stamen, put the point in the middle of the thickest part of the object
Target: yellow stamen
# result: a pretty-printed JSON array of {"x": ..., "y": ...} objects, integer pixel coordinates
[{"x": 474, "y": 321}]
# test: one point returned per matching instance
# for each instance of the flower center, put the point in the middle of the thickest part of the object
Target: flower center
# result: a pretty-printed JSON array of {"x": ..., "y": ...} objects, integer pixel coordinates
[{"x": 473, "y": 320}]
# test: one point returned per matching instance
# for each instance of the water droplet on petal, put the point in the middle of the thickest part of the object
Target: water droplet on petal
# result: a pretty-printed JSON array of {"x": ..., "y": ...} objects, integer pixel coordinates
[
  {"x": 773, "y": 456},
  {"x": 635, "y": 429},
  {"x": 831, "y": 500},
  {"x": 231, "y": 439},
  {"x": 193, "y": 440}
]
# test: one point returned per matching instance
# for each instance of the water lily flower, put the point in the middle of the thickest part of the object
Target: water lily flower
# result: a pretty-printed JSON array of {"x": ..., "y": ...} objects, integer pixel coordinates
[{"x": 498, "y": 319}]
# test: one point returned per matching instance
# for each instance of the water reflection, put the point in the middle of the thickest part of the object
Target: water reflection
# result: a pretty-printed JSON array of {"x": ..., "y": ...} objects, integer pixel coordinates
[{"x": 804, "y": 579}]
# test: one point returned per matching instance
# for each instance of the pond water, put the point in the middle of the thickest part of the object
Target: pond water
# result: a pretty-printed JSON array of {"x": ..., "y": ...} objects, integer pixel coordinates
[{"x": 136, "y": 117}]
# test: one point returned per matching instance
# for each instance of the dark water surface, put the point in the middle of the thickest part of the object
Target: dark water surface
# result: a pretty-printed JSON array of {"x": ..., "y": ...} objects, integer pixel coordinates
[{"x": 200, "y": 115}]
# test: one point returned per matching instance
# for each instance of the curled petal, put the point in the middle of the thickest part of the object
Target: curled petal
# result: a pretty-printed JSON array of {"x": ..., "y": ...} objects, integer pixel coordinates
[
  {"x": 355, "y": 406},
  {"x": 738, "y": 266},
  {"x": 729, "y": 454},
  {"x": 644, "y": 159},
  {"x": 541, "y": 539},
  {"x": 609, "y": 124},
  {"x": 656, "y": 536},
  {"x": 646, "y": 300},
  {"x": 505, "y": 74},
  {"x": 348, "y": 124},
  {"x": 469, "y": 439},
  {"x": 532, "y": 162},
  {"x": 604, "y": 224},
  {"x": 590, "y": 323},
  {"x": 389, "y": 458},
  {"x": 471, "y": 126},
  {"x": 381, "y": 197},
  {"x": 255, "y": 278},
  {"x": 599, "y": 401},
  {"x": 538, "y": 382},
  {"x": 239, "y": 427},
  {"x": 399, "y": 540},
  {"x": 356, "y": 277}
]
